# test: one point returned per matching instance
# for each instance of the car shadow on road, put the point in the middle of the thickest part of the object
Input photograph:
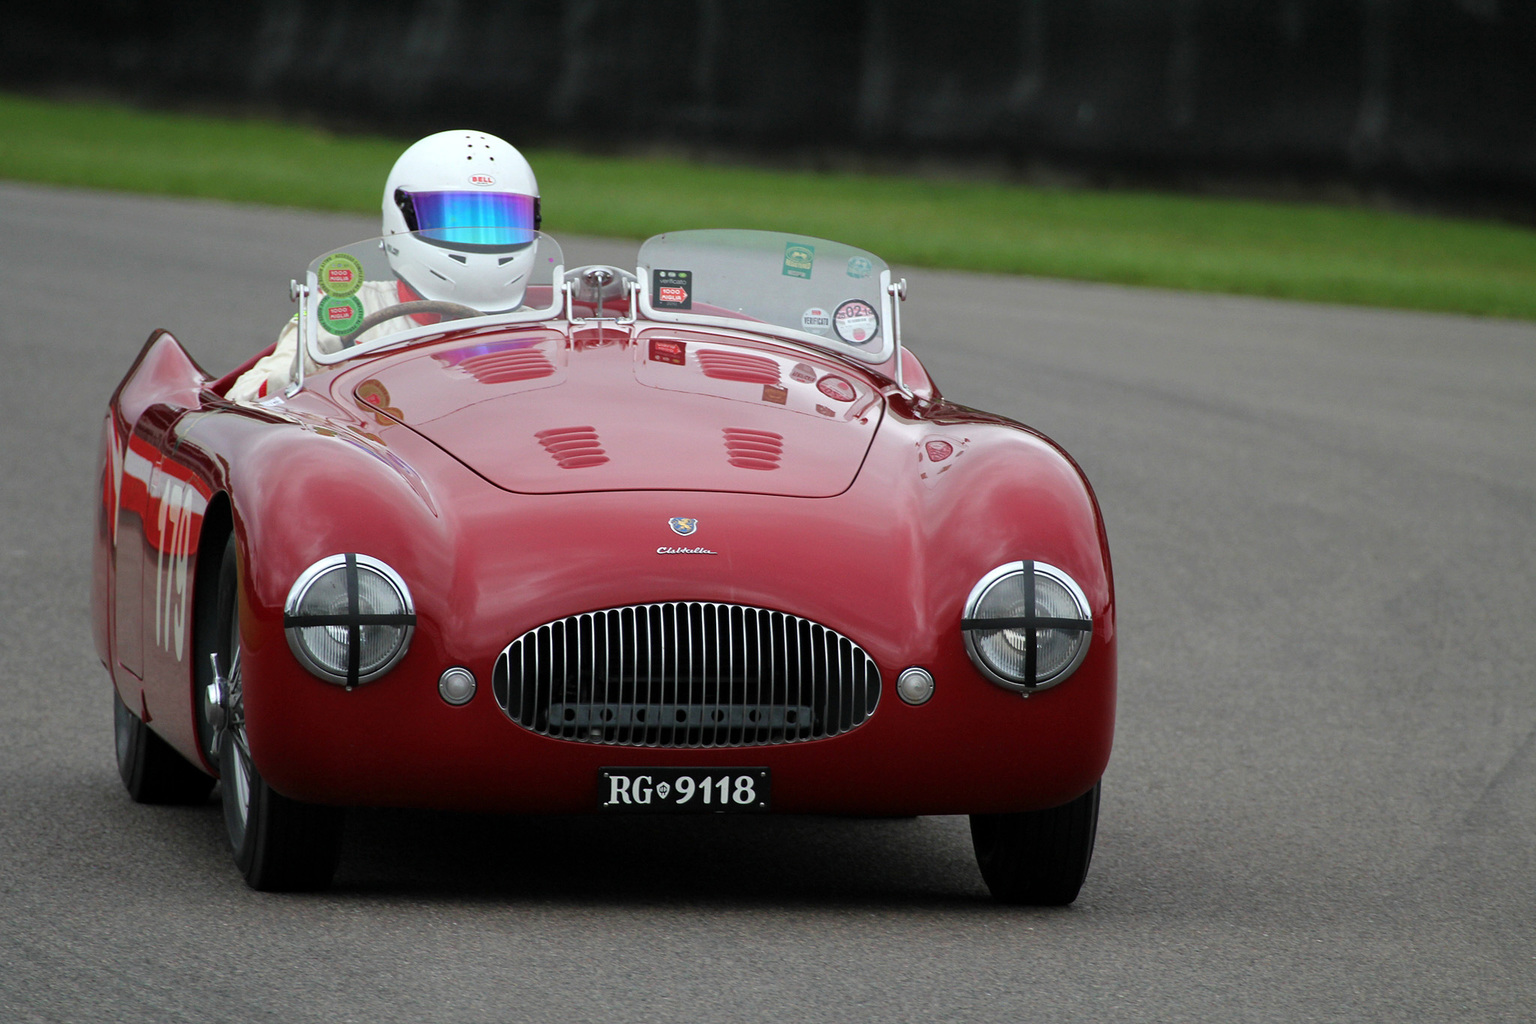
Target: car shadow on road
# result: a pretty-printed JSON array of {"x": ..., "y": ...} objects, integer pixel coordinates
[{"x": 716, "y": 859}]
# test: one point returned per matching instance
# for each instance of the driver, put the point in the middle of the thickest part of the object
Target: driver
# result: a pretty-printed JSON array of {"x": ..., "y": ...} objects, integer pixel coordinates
[{"x": 461, "y": 213}]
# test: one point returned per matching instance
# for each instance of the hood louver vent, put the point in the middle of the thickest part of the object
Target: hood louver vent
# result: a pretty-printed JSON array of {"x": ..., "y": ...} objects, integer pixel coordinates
[
  {"x": 738, "y": 366},
  {"x": 508, "y": 367},
  {"x": 753, "y": 449},
  {"x": 573, "y": 447}
]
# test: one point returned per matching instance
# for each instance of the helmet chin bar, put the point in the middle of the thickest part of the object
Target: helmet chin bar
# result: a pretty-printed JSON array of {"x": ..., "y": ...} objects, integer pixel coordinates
[
  {"x": 489, "y": 281},
  {"x": 410, "y": 293}
]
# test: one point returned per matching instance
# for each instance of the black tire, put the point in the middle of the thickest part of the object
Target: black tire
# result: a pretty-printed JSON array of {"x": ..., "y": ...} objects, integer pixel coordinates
[
  {"x": 280, "y": 845},
  {"x": 151, "y": 769},
  {"x": 1037, "y": 858}
]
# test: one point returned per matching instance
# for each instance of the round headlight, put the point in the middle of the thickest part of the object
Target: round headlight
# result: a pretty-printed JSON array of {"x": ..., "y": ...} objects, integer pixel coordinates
[
  {"x": 1027, "y": 625},
  {"x": 349, "y": 619}
]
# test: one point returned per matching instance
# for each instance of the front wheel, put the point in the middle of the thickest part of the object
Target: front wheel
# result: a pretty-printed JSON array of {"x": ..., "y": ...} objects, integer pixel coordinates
[
  {"x": 280, "y": 845},
  {"x": 1037, "y": 858}
]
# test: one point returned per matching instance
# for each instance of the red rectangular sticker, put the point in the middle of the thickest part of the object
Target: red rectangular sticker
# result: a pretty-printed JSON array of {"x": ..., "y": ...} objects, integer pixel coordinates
[{"x": 669, "y": 350}]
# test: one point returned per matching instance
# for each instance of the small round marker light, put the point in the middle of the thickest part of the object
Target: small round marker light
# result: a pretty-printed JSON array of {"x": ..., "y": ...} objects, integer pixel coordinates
[
  {"x": 457, "y": 686},
  {"x": 915, "y": 685}
]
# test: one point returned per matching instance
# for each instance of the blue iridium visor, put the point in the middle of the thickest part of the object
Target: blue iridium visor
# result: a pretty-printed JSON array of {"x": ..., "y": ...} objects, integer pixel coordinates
[{"x": 487, "y": 221}]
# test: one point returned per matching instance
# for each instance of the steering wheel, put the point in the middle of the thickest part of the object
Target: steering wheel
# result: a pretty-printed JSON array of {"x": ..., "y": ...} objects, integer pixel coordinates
[{"x": 451, "y": 310}]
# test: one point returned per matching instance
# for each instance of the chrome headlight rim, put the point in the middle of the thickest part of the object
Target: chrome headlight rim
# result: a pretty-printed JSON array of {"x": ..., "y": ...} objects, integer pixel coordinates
[
  {"x": 295, "y": 620},
  {"x": 972, "y": 627}
]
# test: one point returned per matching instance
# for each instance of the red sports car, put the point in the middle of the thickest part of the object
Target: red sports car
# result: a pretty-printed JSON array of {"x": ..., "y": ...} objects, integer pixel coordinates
[{"x": 700, "y": 538}]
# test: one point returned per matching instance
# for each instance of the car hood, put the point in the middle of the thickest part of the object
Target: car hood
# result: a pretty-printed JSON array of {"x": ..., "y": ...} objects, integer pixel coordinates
[{"x": 547, "y": 413}]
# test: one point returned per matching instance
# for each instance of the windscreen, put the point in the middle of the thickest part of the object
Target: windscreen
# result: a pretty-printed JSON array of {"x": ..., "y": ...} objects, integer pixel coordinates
[
  {"x": 389, "y": 290},
  {"x": 824, "y": 293}
]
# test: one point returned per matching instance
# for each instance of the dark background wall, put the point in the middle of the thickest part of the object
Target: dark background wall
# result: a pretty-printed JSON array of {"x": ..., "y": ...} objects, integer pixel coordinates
[{"x": 1423, "y": 98}]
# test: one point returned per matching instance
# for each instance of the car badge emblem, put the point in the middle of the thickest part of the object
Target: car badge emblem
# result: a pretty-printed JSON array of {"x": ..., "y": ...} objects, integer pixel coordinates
[{"x": 683, "y": 526}]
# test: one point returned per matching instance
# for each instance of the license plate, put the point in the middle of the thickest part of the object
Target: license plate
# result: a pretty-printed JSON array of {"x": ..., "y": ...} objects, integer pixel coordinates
[{"x": 683, "y": 790}]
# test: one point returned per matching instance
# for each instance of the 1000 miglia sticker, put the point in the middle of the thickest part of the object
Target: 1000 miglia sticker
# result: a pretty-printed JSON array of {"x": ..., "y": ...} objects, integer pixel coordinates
[
  {"x": 340, "y": 274},
  {"x": 340, "y": 315}
]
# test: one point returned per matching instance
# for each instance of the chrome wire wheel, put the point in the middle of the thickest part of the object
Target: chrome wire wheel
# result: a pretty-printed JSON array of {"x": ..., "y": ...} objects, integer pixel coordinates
[
  {"x": 235, "y": 766},
  {"x": 217, "y": 649},
  {"x": 279, "y": 844}
]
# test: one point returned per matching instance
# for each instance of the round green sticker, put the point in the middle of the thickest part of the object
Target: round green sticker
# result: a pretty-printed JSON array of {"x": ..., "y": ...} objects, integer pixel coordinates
[
  {"x": 340, "y": 274},
  {"x": 340, "y": 315}
]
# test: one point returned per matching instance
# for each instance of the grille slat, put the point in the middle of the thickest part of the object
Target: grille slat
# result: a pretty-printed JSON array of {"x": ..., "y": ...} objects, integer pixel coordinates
[{"x": 686, "y": 674}]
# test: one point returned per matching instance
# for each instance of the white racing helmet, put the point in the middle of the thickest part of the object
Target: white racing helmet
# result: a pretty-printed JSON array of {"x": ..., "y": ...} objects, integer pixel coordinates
[{"x": 465, "y": 206}]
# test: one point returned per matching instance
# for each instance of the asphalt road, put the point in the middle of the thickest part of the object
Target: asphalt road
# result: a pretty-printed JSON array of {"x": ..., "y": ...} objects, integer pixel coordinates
[{"x": 1321, "y": 806}]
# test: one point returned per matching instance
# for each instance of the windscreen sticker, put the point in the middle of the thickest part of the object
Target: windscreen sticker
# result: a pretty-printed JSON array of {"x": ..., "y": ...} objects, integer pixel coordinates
[
  {"x": 672, "y": 289},
  {"x": 798, "y": 259},
  {"x": 805, "y": 373},
  {"x": 860, "y": 267},
  {"x": 856, "y": 322},
  {"x": 340, "y": 274},
  {"x": 669, "y": 350},
  {"x": 816, "y": 320},
  {"x": 340, "y": 316},
  {"x": 775, "y": 394}
]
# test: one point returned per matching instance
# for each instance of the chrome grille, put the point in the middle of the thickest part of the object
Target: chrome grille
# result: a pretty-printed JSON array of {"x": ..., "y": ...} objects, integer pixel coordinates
[{"x": 686, "y": 674}]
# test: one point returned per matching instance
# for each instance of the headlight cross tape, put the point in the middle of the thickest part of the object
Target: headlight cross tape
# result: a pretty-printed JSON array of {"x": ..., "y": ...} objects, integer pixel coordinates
[
  {"x": 1030, "y": 623},
  {"x": 353, "y": 620}
]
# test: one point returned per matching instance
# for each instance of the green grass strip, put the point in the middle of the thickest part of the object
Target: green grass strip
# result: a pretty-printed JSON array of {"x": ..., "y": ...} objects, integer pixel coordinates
[{"x": 1286, "y": 250}]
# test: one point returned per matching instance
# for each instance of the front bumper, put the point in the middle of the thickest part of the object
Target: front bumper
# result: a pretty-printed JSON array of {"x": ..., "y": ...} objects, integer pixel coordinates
[{"x": 972, "y": 748}]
